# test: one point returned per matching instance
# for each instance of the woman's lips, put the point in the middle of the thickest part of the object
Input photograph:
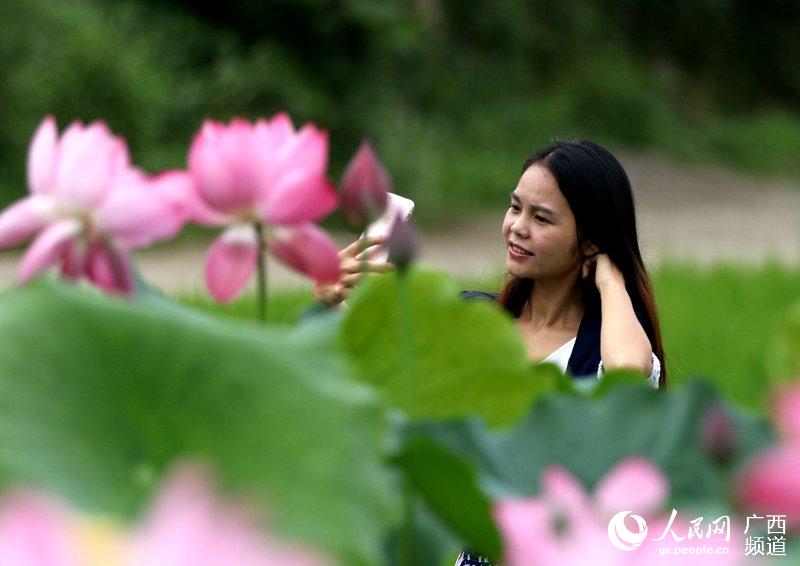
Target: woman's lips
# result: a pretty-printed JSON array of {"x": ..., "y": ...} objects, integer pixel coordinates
[{"x": 517, "y": 252}]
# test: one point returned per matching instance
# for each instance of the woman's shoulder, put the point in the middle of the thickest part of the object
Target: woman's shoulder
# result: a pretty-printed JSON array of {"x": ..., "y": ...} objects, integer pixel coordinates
[{"x": 479, "y": 295}]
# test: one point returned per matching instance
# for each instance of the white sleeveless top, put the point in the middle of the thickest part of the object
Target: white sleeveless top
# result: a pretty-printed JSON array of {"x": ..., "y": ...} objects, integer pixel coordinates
[{"x": 560, "y": 358}]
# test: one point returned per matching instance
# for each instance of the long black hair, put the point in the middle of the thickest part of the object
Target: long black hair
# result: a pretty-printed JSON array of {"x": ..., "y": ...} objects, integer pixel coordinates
[{"x": 599, "y": 194}]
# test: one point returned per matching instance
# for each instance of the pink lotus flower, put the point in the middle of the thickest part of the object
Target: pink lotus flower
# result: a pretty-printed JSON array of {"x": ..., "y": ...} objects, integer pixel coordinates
[
  {"x": 264, "y": 174},
  {"x": 190, "y": 526},
  {"x": 566, "y": 526},
  {"x": 786, "y": 412},
  {"x": 365, "y": 188},
  {"x": 88, "y": 207},
  {"x": 770, "y": 482},
  {"x": 34, "y": 531}
]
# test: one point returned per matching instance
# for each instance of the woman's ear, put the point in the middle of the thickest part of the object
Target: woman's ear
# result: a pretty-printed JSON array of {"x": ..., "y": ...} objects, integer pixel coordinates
[{"x": 589, "y": 249}]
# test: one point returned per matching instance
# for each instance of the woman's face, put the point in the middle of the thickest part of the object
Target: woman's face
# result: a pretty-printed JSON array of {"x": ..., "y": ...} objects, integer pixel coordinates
[{"x": 540, "y": 221}]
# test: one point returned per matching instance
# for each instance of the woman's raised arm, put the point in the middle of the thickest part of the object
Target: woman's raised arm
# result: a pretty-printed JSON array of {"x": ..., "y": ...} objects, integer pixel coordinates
[{"x": 623, "y": 341}]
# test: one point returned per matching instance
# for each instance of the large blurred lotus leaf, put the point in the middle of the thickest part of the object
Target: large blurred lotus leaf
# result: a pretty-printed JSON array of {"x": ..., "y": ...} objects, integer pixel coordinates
[
  {"x": 448, "y": 485},
  {"x": 435, "y": 355},
  {"x": 588, "y": 436},
  {"x": 98, "y": 396}
]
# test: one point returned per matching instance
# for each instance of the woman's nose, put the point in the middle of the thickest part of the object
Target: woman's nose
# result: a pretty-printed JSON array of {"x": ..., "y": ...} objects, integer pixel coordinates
[{"x": 520, "y": 228}]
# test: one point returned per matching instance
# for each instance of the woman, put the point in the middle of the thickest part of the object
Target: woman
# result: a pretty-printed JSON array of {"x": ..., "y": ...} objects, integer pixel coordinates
[{"x": 576, "y": 283}]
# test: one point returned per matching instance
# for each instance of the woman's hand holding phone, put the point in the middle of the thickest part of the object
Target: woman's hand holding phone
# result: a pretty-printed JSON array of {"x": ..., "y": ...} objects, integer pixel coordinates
[
  {"x": 365, "y": 256},
  {"x": 352, "y": 270}
]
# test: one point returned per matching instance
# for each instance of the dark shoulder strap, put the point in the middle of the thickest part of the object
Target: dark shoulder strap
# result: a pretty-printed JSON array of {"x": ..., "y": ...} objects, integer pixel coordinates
[
  {"x": 586, "y": 353},
  {"x": 479, "y": 295}
]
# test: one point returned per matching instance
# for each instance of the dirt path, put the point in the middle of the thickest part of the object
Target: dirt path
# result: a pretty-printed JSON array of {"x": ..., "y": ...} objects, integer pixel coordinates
[{"x": 697, "y": 214}]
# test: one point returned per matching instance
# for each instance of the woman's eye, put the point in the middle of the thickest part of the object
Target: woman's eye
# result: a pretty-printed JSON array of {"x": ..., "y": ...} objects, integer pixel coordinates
[
  {"x": 541, "y": 219},
  {"x": 515, "y": 207}
]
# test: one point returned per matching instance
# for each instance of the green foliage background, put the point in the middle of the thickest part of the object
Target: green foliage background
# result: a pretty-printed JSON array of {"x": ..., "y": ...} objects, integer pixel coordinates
[{"x": 455, "y": 94}]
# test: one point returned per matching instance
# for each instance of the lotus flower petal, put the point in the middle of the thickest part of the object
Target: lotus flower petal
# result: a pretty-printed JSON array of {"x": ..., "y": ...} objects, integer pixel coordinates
[
  {"x": 770, "y": 484},
  {"x": 307, "y": 151},
  {"x": 109, "y": 267},
  {"x": 47, "y": 248},
  {"x": 564, "y": 493},
  {"x": 298, "y": 198},
  {"x": 230, "y": 262},
  {"x": 309, "y": 250},
  {"x": 35, "y": 532},
  {"x": 786, "y": 411},
  {"x": 138, "y": 216},
  {"x": 526, "y": 530},
  {"x": 189, "y": 525},
  {"x": 24, "y": 218},
  {"x": 179, "y": 190},
  {"x": 218, "y": 162},
  {"x": 89, "y": 161},
  {"x": 634, "y": 484},
  {"x": 73, "y": 261},
  {"x": 42, "y": 157}
]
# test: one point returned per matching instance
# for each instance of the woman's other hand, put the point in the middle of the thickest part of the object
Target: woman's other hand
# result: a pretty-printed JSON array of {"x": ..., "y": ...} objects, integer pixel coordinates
[
  {"x": 351, "y": 271},
  {"x": 605, "y": 272}
]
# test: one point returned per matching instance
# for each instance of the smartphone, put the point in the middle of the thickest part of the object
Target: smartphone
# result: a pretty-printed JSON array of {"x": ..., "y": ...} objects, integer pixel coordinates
[{"x": 382, "y": 225}]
